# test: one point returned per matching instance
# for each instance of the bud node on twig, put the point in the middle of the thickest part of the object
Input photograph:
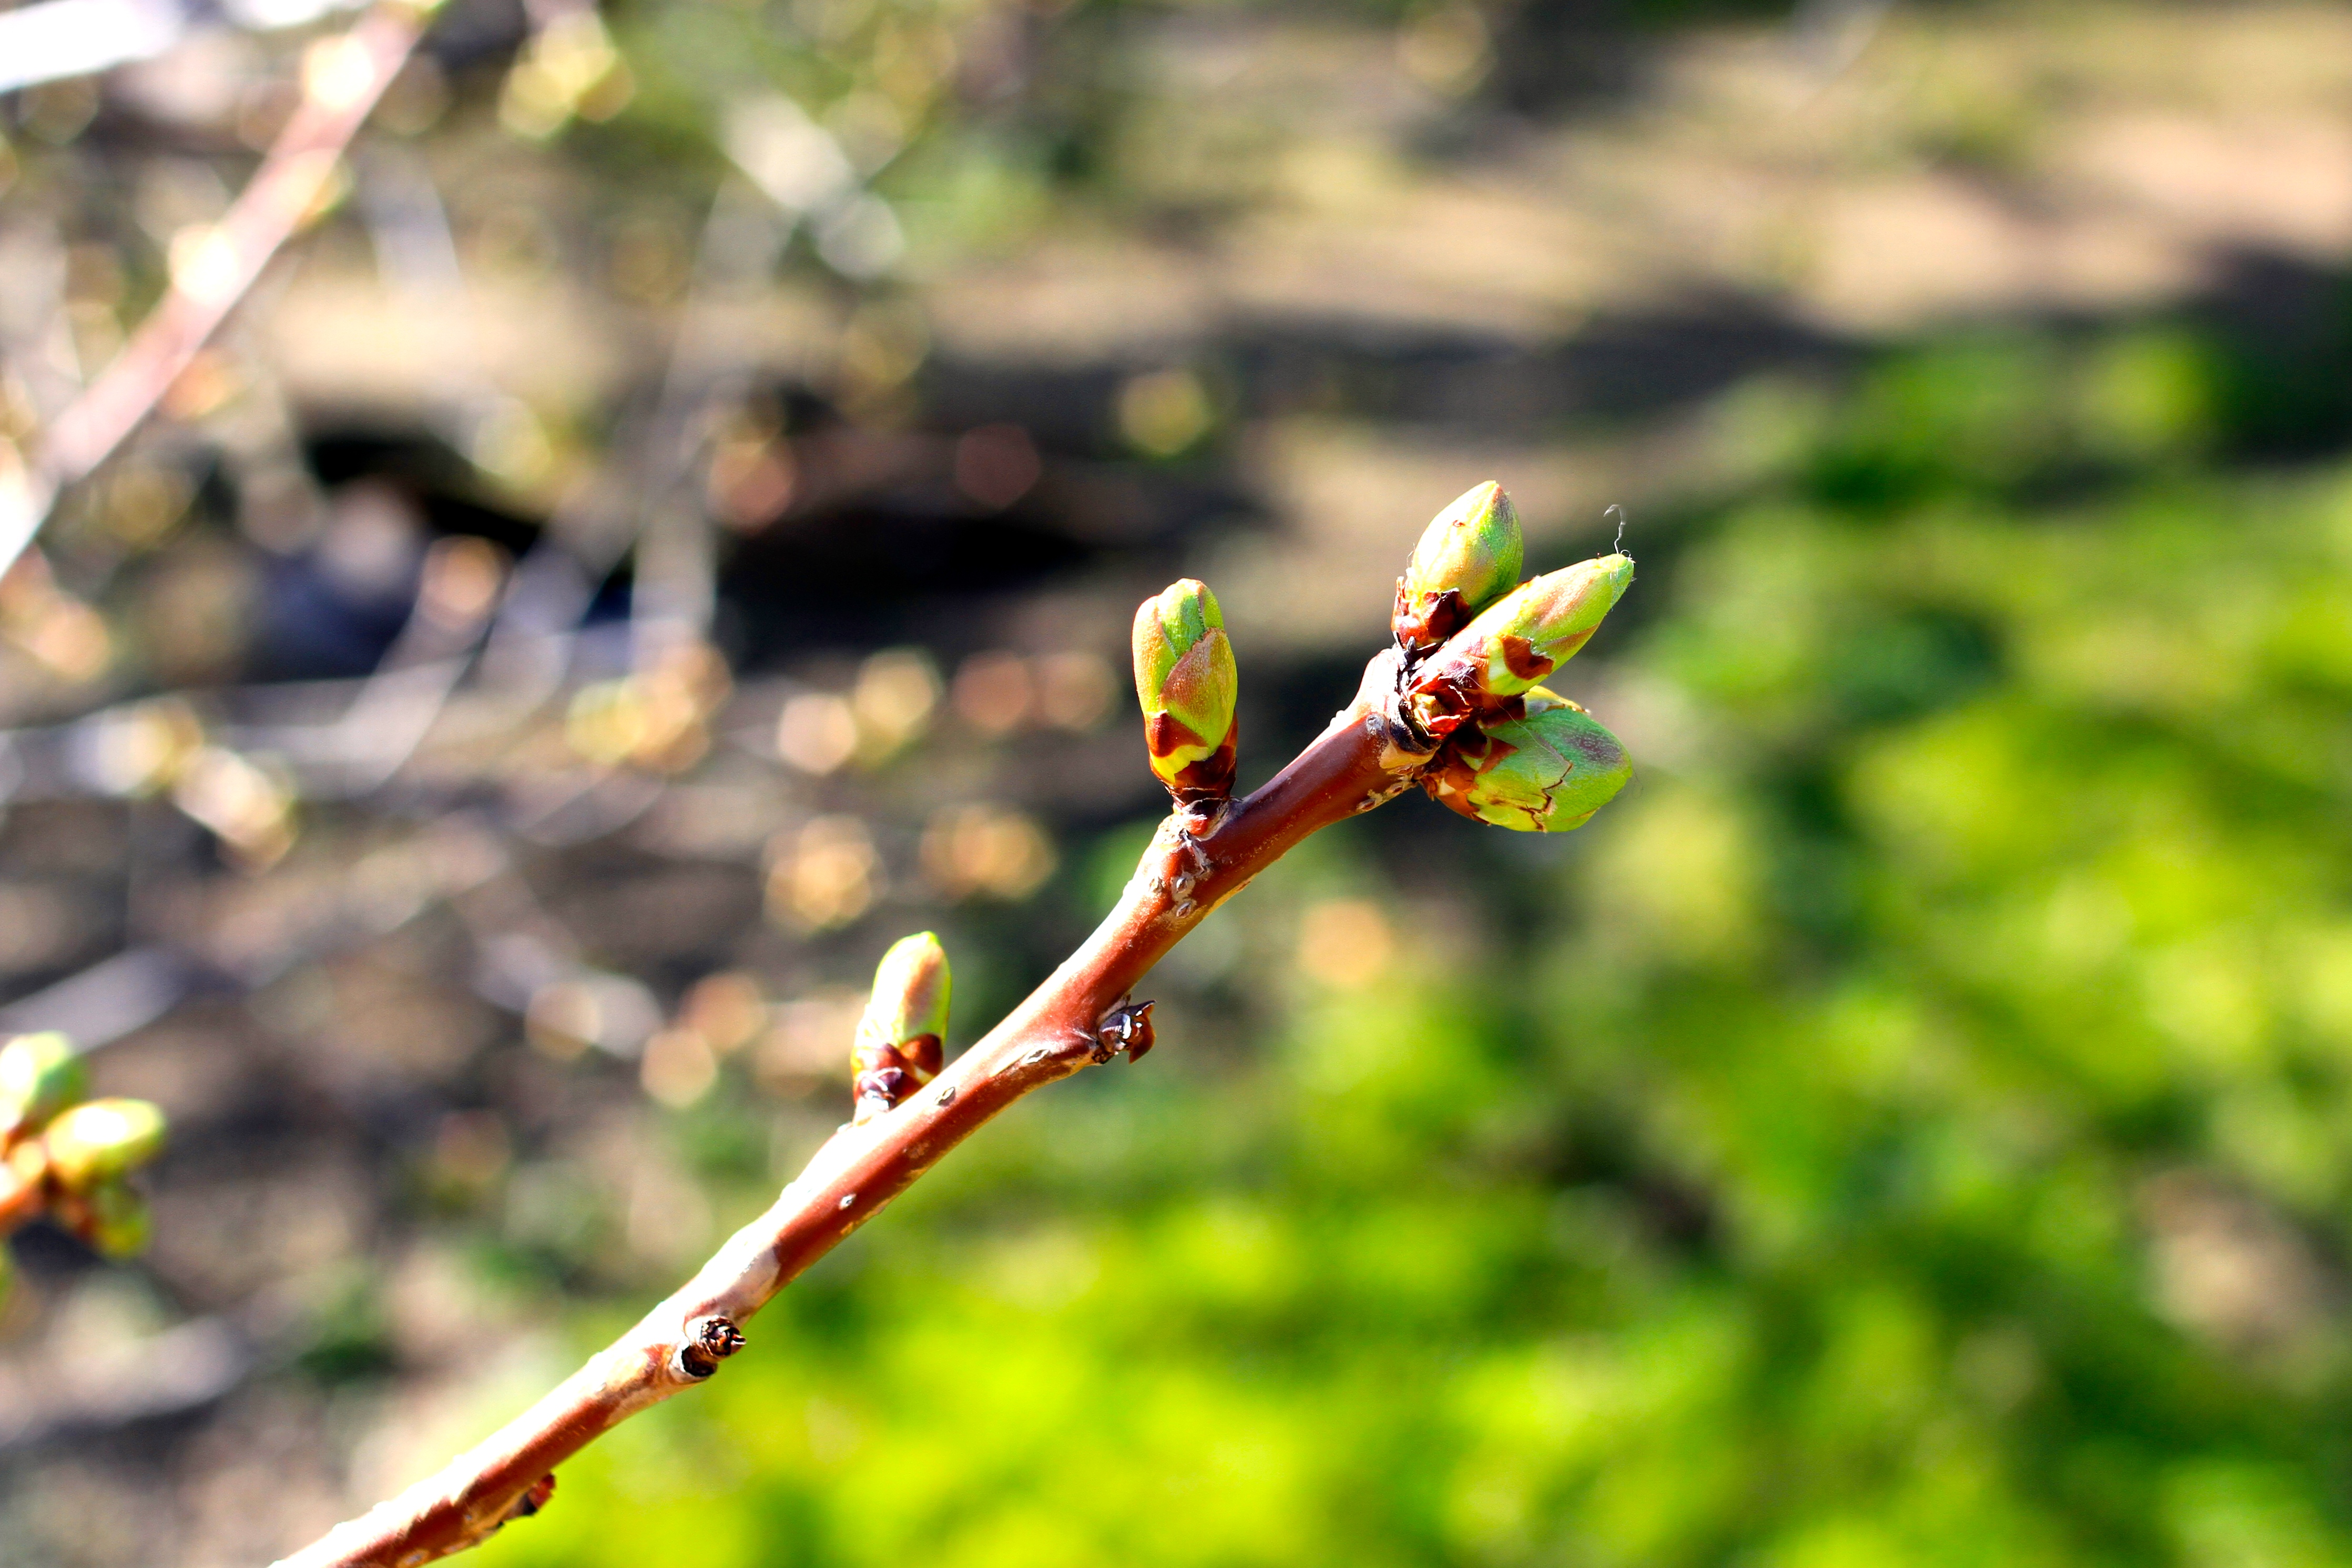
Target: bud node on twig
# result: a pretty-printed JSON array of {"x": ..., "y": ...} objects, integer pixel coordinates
[
  {"x": 707, "y": 1343},
  {"x": 535, "y": 1498},
  {"x": 1126, "y": 1028}
]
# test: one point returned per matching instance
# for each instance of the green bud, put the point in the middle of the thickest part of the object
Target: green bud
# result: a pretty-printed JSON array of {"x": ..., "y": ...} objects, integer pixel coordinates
[
  {"x": 1547, "y": 771},
  {"x": 40, "y": 1075},
  {"x": 907, "y": 1011},
  {"x": 898, "y": 1047},
  {"x": 98, "y": 1140},
  {"x": 1469, "y": 556},
  {"x": 1185, "y": 679},
  {"x": 114, "y": 1218},
  {"x": 1518, "y": 640},
  {"x": 7, "y": 1273}
]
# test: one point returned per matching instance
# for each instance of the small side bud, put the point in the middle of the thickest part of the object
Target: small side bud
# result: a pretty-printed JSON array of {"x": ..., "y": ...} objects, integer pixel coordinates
[
  {"x": 705, "y": 1342},
  {"x": 1126, "y": 1028},
  {"x": 1466, "y": 558},
  {"x": 1185, "y": 679},
  {"x": 536, "y": 1496},
  {"x": 1517, "y": 641},
  {"x": 1545, "y": 771},
  {"x": 901, "y": 1038},
  {"x": 98, "y": 1141},
  {"x": 910, "y": 991},
  {"x": 40, "y": 1075}
]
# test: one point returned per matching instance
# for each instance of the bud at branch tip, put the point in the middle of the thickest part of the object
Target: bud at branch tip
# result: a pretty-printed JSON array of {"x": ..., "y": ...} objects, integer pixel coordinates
[
  {"x": 1547, "y": 771},
  {"x": 1467, "y": 558},
  {"x": 1516, "y": 642}
]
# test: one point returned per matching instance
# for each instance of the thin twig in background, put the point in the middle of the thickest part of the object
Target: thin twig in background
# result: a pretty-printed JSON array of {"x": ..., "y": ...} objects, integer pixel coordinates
[{"x": 342, "y": 77}]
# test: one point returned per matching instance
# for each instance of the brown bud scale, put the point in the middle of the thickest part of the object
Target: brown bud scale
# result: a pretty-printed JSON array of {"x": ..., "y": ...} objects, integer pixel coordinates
[
  {"x": 1126, "y": 1028},
  {"x": 707, "y": 1343},
  {"x": 1428, "y": 619}
]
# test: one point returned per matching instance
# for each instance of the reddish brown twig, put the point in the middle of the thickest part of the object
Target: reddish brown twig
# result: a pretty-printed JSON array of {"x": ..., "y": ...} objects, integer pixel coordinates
[
  {"x": 342, "y": 77},
  {"x": 1077, "y": 1017}
]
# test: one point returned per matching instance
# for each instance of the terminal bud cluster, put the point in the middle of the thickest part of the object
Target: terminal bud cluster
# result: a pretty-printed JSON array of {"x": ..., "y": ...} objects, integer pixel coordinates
[{"x": 68, "y": 1156}]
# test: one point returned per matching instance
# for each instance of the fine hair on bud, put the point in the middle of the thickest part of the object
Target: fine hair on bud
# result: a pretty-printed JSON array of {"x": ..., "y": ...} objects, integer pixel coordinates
[
  {"x": 1186, "y": 681},
  {"x": 901, "y": 1038},
  {"x": 1467, "y": 558}
]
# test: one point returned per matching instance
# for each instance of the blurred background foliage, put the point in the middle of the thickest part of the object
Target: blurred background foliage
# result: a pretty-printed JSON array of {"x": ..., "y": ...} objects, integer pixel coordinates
[{"x": 1912, "y": 1124}]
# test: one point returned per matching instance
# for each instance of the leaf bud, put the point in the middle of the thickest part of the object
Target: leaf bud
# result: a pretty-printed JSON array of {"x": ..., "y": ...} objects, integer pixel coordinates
[
  {"x": 1466, "y": 558},
  {"x": 98, "y": 1140},
  {"x": 901, "y": 1038},
  {"x": 1546, "y": 771},
  {"x": 1517, "y": 641},
  {"x": 910, "y": 992},
  {"x": 1185, "y": 679},
  {"x": 40, "y": 1075},
  {"x": 112, "y": 1217}
]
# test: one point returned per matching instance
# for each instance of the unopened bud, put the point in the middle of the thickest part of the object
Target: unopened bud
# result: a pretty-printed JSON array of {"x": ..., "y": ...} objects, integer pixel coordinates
[
  {"x": 98, "y": 1140},
  {"x": 1185, "y": 679},
  {"x": 910, "y": 992},
  {"x": 40, "y": 1075},
  {"x": 1545, "y": 771},
  {"x": 1519, "y": 640},
  {"x": 1468, "y": 557},
  {"x": 901, "y": 1038},
  {"x": 112, "y": 1216}
]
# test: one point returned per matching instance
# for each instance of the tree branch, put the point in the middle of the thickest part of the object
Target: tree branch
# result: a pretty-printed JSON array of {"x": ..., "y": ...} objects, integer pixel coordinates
[
  {"x": 1198, "y": 860},
  {"x": 342, "y": 77}
]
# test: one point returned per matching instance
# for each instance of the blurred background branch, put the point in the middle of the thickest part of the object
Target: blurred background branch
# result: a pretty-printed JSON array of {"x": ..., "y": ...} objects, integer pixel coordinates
[{"x": 211, "y": 267}]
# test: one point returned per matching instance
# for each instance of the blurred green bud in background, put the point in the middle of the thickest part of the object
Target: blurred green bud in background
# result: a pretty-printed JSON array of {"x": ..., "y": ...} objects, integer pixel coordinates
[
  {"x": 1546, "y": 771},
  {"x": 98, "y": 1140},
  {"x": 1521, "y": 639},
  {"x": 1185, "y": 679},
  {"x": 113, "y": 1216},
  {"x": 1468, "y": 557},
  {"x": 40, "y": 1075}
]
